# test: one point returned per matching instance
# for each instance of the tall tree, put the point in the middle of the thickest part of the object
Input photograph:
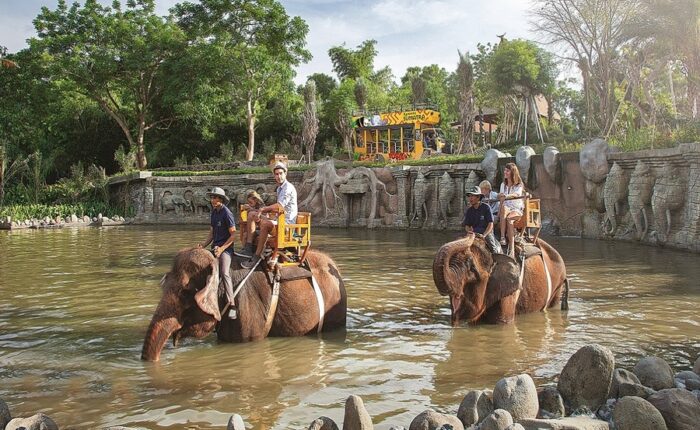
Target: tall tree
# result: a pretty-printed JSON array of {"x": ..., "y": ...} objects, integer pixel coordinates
[
  {"x": 590, "y": 32},
  {"x": 113, "y": 56},
  {"x": 252, "y": 47},
  {"x": 465, "y": 85},
  {"x": 309, "y": 128},
  {"x": 673, "y": 26}
]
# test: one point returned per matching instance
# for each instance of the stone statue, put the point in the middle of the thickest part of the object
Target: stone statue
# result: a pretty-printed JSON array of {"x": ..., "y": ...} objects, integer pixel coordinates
[
  {"x": 422, "y": 191},
  {"x": 200, "y": 203},
  {"x": 489, "y": 165},
  {"x": 173, "y": 202},
  {"x": 136, "y": 195},
  {"x": 550, "y": 158},
  {"x": 640, "y": 189},
  {"x": 669, "y": 195},
  {"x": 446, "y": 192},
  {"x": 594, "y": 160},
  {"x": 614, "y": 196},
  {"x": 522, "y": 160},
  {"x": 148, "y": 200}
]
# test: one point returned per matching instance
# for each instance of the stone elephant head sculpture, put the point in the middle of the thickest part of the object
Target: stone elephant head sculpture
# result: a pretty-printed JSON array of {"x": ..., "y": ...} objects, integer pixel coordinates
[
  {"x": 490, "y": 287},
  {"x": 190, "y": 303},
  {"x": 670, "y": 192}
]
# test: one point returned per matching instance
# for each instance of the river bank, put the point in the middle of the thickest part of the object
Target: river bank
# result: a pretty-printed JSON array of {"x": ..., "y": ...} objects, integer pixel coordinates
[{"x": 591, "y": 394}]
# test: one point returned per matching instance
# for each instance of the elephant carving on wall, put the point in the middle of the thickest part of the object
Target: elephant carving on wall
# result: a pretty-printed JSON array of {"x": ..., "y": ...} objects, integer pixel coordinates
[
  {"x": 447, "y": 193},
  {"x": 669, "y": 195},
  {"x": 422, "y": 190},
  {"x": 175, "y": 203},
  {"x": 189, "y": 306},
  {"x": 491, "y": 287},
  {"x": 200, "y": 203},
  {"x": 641, "y": 187},
  {"x": 614, "y": 196}
]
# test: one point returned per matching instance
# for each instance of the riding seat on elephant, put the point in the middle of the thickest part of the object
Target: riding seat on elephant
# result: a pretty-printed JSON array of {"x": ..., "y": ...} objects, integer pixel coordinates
[
  {"x": 269, "y": 302},
  {"x": 494, "y": 288}
]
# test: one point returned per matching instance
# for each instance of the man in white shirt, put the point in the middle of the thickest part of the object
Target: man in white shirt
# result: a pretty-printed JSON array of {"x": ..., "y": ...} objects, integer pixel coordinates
[{"x": 286, "y": 203}]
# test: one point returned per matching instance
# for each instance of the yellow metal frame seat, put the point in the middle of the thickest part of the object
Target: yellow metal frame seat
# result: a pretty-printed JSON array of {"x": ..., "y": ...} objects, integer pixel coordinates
[
  {"x": 531, "y": 219},
  {"x": 291, "y": 245}
]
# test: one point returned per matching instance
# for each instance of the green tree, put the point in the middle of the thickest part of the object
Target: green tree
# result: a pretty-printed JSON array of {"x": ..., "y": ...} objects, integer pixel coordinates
[
  {"x": 250, "y": 48},
  {"x": 309, "y": 120},
  {"x": 112, "y": 56},
  {"x": 465, "y": 85},
  {"x": 354, "y": 64}
]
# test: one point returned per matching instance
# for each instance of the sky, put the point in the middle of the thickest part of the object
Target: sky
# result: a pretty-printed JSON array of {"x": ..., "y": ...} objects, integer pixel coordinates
[{"x": 408, "y": 32}]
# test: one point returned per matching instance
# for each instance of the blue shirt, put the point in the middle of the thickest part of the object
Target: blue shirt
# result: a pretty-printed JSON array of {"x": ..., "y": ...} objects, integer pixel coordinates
[
  {"x": 477, "y": 218},
  {"x": 221, "y": 220}
]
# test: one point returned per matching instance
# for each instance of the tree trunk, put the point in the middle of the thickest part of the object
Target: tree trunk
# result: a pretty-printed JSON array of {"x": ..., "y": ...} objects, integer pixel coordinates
[
  {"x": 140, "y": 148},
  {"x": 250, "y": 122}
]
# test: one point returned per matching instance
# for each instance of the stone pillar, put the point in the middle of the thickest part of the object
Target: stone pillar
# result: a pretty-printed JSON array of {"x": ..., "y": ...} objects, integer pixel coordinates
[
  {"x": 693, "y": 199},
  {"x": 433, "y": 202},
  {"x": 402, "y": 177}
]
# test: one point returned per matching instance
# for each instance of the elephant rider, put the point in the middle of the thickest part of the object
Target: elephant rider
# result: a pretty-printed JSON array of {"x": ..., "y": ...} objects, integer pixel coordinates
[
  {"x": 479, "y": 219},
  {"x": 286, "y": 203},
  {"x": 221, "y": 235},
  {"x": 254, "y": 203}
]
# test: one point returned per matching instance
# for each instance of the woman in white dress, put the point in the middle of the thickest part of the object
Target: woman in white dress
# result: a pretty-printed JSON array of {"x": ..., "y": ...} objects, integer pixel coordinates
[{"x": 510, "y": 210}]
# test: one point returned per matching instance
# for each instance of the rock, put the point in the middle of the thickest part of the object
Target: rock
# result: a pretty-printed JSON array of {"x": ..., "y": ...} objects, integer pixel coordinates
[
  {"x": 522, "y": 159},
  {"x": 692, "y": 385},
  {"x": 635, "y": 413},
  {"x": 431, "y": 420},
  {"x": 5, "y": 415},
  {"x": 568, "y": 423},
  {"x": 593, "y": 160},
  {"x": 500, "y": 419},
  {"x": 586, "y": 377},
  {"x": 696, "y": 366},
  {"x": 323, "y": 423},
  {"x": 621, "y": 376},
  {"x": 654, "y": 372},
  {"x": 518, "y": 396},
  {"x": 683, "y": 378},
  {"x": 99, "y": 217},
  {"x": 119, "y": 428},
  {"x": 550, "y": 159},
  {"x": 637, "y": 390},
  {"x": 86, "y": 219},
  {"x": 475, "y": 406},
  {"x": 551, "y": 403},
  {"x": 35, "y": 422},
  {"x": 515, "y": 426},
  {"x": 489, "y": 165},
  {"x": 74, "y": 218},
  {"x": 235, "y": 422},
  {"x": 680, "y": 408},
  {"x": 397, "y": 428},
  {"x": 94, "y": 219},
  {"x": 356, "y": 416}
]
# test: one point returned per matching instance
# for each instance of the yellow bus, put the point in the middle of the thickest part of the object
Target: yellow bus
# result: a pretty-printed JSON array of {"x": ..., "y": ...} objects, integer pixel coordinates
[{"x": 398, "y": 134}]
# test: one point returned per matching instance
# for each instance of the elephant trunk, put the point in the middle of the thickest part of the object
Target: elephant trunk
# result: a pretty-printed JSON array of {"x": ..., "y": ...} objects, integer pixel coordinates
[
  {"x": 449, "y": 268},
  {"x": 158, "y": 333}
]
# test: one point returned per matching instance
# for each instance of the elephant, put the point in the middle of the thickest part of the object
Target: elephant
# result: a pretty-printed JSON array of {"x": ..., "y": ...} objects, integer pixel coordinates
[
  {"x": 189, "y": 306},
  {"x": 491, "y": 287},
  {"x": 447, "y": 192},
  {"x": 669, "y": 195},
  {"x": 174, "y": 202},
  {"x": 422, "y": 191},
  {"x": 640, "y": 191},
  {"x": 614, "y": 194}
]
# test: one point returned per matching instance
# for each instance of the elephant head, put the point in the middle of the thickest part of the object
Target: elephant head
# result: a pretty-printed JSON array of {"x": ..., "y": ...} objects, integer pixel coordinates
[
  {"x": 473, "y": 278},
  {"x": 189, "y": 305},
  {"x": 669, "y": 195},
  {"x": 640, "y": 191},
  {"x": 614, "y": 194}
]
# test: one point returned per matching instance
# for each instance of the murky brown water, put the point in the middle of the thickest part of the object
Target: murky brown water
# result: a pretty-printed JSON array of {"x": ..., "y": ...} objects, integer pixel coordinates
[{"x": 75, "y": 304}]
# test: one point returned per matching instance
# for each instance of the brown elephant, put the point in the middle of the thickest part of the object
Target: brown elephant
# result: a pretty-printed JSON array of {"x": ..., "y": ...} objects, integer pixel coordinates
[
  {"x": 189, "y": 306},
  {"x": 487, "y": 287}
]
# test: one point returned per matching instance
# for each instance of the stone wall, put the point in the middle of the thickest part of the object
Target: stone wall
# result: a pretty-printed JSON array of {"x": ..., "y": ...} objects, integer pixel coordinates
[{"x": 650, "y": 196}]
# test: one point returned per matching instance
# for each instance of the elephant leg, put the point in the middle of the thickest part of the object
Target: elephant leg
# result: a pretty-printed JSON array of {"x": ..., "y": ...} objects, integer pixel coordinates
[
  {"x": 504, "y": 311},
  {"x": 645, "y": 225},
  {"x": 668, "y": 222}
]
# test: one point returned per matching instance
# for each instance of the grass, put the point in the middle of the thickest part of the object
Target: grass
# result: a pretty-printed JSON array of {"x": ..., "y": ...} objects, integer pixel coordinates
[{"x": 40, "y": 211}]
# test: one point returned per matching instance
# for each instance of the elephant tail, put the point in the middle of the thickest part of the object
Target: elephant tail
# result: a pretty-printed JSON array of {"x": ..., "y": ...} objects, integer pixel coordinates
[
  {"x": 565, "y": 296},
  {"x": 158, "y": 333}
]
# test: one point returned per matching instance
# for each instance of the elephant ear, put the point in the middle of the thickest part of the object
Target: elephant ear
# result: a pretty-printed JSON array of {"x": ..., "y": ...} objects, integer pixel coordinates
[
  {"x": 208, "y": 297},
  {"x": 504, "y": 279},
  {"x": 451, "y": 265}
]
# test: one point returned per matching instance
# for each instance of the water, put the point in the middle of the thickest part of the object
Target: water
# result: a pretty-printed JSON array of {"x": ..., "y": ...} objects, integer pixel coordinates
[{"x": 75, "y": 305}]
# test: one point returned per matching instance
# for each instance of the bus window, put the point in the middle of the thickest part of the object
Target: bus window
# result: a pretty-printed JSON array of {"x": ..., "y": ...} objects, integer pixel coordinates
[
  {"x": 395, "y": 136},
  {"x": 383, "y": 141},
  {"x": 407, "y": 144},
  {"x": 360, "y": 138}
]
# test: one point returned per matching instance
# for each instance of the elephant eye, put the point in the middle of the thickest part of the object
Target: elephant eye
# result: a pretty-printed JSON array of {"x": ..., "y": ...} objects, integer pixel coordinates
[{"x": 471, "y": 267}]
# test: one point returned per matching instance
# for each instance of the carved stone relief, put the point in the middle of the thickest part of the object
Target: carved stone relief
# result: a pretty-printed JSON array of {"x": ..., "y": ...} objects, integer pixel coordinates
[
  {"x": 641, "y": 187},
  {"x": 614, "y": 197},
  {"x": 446, "y": 191},
  {"x": 669, "y": 196}
]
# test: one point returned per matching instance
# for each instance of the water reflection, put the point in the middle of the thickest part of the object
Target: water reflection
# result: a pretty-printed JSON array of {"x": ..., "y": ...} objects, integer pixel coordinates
[{"x": 75, "y": 304}]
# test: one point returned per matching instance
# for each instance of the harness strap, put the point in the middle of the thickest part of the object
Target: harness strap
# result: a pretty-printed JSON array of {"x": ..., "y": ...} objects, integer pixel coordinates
[
  {"x": 273, "y": 301},
  {"x": 549, "y": 282},
  {"x": 321, "y": 303}
]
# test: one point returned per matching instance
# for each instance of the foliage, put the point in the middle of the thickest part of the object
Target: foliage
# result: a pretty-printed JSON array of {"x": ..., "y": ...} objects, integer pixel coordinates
[
  {"x": 114, "y": 57},
  {"x": 40, "y": 211}
]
